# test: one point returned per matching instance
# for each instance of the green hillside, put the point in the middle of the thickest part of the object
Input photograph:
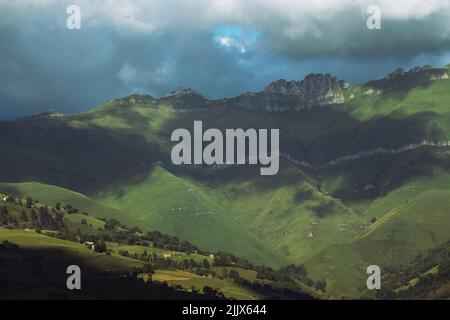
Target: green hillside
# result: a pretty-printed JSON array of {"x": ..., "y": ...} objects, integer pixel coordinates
[
  {"x": 163, "y": 202},
  {"x": 56, "y": 237},
  {"x": 52, "y": 194},
  {"x": 399, "y": 235},
  {"x": 367, "y": 181},
  {"x": 189, "y": 210}
]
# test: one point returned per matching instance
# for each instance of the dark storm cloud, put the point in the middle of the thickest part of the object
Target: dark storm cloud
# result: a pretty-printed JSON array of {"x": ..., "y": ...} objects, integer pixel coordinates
[
  {"x": 347, "y": 37},
  {"x": 220, "y": 48}
]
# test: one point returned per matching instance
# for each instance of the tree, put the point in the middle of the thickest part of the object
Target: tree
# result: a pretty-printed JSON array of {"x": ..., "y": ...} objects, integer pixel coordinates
[
  {"x": 70, "y": 209},
  {"x": 212, "y": 293},
  {"x": 206, "y": 264},
  {"x": 58, "y": 206},
  {"x": 233, "y": 274},
  {"x": 100, "y": 247},
  {"x": 148, "y": 268},
  {"x": 46, "y": 220},
  {"x": 10, "y": 199},
  {"x": 4, "y": 215},
  {"x": 186, "y": 264},
  {"x": 29, "y": 202},
  {"x": 23, "y": 216},
  {"x": 34, "y": 218},
  {"x": 59, "y": 219},
  {"x": 112, "y": 224},
  {"x": 226, "y": 273},
  {"x": 14, "y": 221},
  {"x": 320, "y": 285}
]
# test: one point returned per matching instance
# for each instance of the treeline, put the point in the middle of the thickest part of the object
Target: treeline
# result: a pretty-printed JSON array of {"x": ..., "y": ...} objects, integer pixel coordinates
[
  {"x": 287, "y": 275},
  {"x": 202, "y": 268},
  {"x": 43, "y": 280},
  {"x": 431, "y": 271},
  {"x": 34, "y": 218},
  {"x": 52, "y": 218},
  {"x": 172, "y": 243}
]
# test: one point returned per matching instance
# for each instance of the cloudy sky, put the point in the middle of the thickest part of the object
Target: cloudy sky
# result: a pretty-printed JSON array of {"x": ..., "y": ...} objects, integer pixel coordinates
[{"x": 217, "y": 47}]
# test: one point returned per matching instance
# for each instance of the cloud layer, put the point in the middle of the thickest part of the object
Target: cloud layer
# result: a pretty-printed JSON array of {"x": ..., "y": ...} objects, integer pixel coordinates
[{"x": 219, "y": 47}]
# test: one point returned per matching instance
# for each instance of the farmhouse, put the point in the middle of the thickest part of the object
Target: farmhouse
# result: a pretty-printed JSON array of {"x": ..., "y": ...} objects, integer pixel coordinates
[{"x": 89, "y": 244}]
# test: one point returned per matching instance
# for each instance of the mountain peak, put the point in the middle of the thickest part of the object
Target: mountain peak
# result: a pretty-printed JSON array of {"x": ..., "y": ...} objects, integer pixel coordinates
[
  {"x": 400, "y": 79},
  {"x": 312, "y": 84},
  {"x": 182, "y": 92},
  {"x": 314, "y": 90},
  {"x": 135, "y": 98},
  {"x": 49, "y": 114},
  {"x": 401, "y": 72}
]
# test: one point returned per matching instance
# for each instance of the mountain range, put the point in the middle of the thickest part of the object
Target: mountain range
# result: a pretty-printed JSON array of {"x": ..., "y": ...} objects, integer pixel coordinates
[{"x": 364, "y": 175}]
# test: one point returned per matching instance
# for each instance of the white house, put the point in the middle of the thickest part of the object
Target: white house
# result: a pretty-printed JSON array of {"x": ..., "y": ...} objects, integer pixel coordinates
[{"x": 89, "y": 244}]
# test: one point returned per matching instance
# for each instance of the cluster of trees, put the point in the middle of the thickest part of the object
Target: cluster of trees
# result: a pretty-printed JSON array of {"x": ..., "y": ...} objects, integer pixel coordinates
[
  {"x": 289, "y": 274},
  {"x": 427, "y": 285},
  {"x": 225, "y": 259},
  {"x": 39, "y": 220},
  {"x": 52, "y": 218},
  {"x": 7, "y": 219},
  {"x": 131, "y": 287},
  {"x": 32, "y": 215},
  {"x": 69, "y": 209},
  {"x": 160, "y": 262},
  {"x": 173, "y": 243},
  {"x": 100, "y": 284},
  {"x": 50, "y": 222}
]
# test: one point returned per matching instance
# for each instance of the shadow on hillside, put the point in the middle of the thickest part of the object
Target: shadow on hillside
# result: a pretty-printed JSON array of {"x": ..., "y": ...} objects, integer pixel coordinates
[
  {"x": 87, "y": 160},
  {"x": 41, "y": 274},
  {"x": 93, "y": 159},
  {"x": 319, "y": 136}
]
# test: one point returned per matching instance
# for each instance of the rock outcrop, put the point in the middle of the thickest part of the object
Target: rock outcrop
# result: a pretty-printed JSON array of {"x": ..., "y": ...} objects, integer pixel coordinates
[
  {"x": 182, "y": 92},
  {"x": 135, "y": 98},
  {"x": 405, "y": 80},
  {"x": 315, "y": 90}
]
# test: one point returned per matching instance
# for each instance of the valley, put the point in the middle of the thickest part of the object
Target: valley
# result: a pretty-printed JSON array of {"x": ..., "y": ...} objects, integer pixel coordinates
[{"x": 364, "y": 178}]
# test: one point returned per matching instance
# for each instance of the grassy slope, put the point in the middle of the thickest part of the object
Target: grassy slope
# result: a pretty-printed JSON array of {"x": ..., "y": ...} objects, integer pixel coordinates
[
  {"x": 283, "y": 211},
  {"x": 189, "y": 210},
  {"x": 400, "y": 234},
  {"x": 186, "y": 209},
  {"x": 29, "y": 239},
  {"x": 162, "y": 202},
  {"x": 61, "y": 250},
  {"x": 50, "y": 195},
  {"x": 189, "y": 280}
]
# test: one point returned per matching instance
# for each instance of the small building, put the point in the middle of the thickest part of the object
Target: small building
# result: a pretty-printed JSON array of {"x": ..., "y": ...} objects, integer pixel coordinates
[{"x": 89, "y": 244}]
